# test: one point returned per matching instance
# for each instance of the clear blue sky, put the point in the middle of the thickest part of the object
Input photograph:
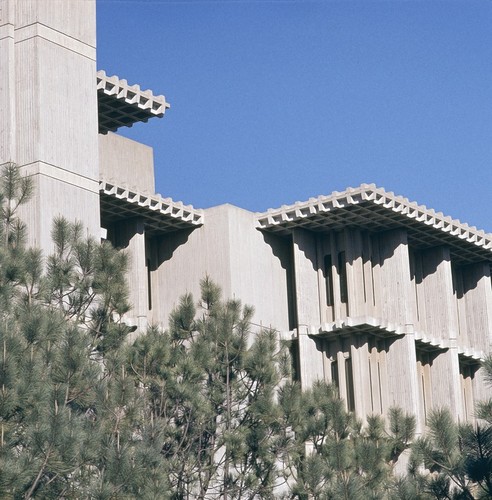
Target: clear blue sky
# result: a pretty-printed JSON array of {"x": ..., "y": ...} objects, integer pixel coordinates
[{"x": 277, "y": 101}]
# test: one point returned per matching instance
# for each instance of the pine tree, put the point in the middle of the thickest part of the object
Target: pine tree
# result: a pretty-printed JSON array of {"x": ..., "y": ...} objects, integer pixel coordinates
[
  {"x": 65, "y": 417},
  {"x": 201, "y": 410},
  {"x": 210, "y": 399},
  {"x": 457, "y": 458},
  {"x": 335, "y": 456}
]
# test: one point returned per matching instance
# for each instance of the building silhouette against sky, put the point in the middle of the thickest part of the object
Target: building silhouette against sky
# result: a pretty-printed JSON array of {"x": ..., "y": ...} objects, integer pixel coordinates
[{"x": 388, "y": 299}]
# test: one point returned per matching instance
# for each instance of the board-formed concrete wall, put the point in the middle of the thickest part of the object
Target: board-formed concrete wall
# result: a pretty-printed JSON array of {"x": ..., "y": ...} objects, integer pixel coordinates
[
  {"x": 380, "y": 319},
  {"x": 126, "y": 163},
  {"x": 247, "y": 265},
  {"x": 48, "y": 48}
]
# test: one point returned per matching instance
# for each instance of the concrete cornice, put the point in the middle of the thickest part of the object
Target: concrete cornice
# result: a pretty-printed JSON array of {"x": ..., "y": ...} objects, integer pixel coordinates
[
  {"x": 160, "y": 214},
  {"x": 122, "y": 105},
  {"x": 7, "y": 31},
  {"x": 60, "y": 174},
  {"x": 375, "y": 209}
]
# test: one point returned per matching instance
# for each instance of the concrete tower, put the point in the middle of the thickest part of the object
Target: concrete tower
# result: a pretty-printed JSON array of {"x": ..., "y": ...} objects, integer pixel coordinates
[{"x": 48, "y": 97}]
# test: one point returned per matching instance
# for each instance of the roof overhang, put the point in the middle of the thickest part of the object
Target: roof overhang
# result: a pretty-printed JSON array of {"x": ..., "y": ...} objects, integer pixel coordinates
[
  {"x": 380, "y": 329},
  {"x": 122, "y": 105},
  {"x": 365, "y": 325},
  {"x": 160, "y": 215},
  {"x": 373, "y": 209}
]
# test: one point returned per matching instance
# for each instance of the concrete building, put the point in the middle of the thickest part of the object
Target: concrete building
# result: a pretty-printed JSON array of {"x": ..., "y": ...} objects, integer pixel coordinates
[{"x": 386, "y": 298}]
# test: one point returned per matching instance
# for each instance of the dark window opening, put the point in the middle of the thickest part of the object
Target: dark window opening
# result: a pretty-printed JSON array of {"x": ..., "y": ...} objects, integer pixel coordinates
[
  {"x": 149, "y": 284},
  {"x": 291, "y": 289},
  {"x": 334, "y": 373},
  {"x": 342, "y": 271},
  {"x": 371, "y": 387},
  {"x": 364, "y": 277},
  {"x": 294, "y": 357},
  {"x": 349, "y": 380},
  {"x": 329, "y": 280}
]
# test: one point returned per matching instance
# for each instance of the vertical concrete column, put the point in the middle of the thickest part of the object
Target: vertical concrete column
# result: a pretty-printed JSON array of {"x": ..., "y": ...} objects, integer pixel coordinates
[
  {"x": 373, "y": 244},
  {"x": 327, "y": 363},
  {"x": 138, "y": 273},
  {"x": 377, "y": 377},
  {"x": 306, "y": 277},
  {"x": 342, "y": 374},
  {"x": 446, "y": 383},
  {"x": 416, "y": 276},
  {"x": 382, "y": 376},
  {"x": 397, "y": 304},
  {"x": 355, "y": 273},
  {"x": 439, "y": 315},
  {"x": 7, "y": 82},
  {"x": 396, "y": 298},
  {"x": 323, "y": 249},
  {"x": 403, "y": 388},
  {"x": 359, "y": 352},
  {"x": 439, "y": 318},
  {"x": 310, "y": 359},
  {"x": 130, "y": 235},
  {"x": 56, "y": 112},
  {"x": 478, "y": 305},
  {"x": 481, "y": 387},
  {"x": 308, "y": 312}
]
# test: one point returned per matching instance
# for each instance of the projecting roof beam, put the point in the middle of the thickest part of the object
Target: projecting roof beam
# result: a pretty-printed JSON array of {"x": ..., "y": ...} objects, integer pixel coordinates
[
  {"x": 374, "y": 209},
  {"x": 122, "y": 105},
  {"x": 160, "y": 214}
]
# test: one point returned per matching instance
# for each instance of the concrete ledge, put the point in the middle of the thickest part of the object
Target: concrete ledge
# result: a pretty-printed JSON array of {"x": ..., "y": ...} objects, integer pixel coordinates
[
  {"x": 54, "y": 36},
  {"x": 60, "y": 174},
  {"x": 377, "y": 327},
  {"x": 6, "y": 31}
]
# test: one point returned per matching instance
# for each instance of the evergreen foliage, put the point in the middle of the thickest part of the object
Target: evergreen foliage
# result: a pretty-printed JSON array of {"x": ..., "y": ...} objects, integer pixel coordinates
[
  {"x": 205, "y": 409},
  {"x": 334, "y": 455},
  {"x": 210, "y": 399},
  {"x": 456, "y": 458},
  {"x": 60, "y": 337}
]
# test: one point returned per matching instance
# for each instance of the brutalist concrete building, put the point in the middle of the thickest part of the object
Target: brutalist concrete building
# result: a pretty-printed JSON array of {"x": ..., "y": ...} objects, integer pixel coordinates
[{"x": 388, "y": 299}]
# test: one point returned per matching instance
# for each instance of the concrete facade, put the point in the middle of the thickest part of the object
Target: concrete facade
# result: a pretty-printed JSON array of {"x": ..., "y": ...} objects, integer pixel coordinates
[
  {"x": 387, "y": 299},
  {"x": 40, "y": 102}
]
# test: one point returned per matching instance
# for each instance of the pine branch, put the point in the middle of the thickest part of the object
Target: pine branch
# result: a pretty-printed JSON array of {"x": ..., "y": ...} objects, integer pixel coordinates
[{"x": 39, "y": 475}]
